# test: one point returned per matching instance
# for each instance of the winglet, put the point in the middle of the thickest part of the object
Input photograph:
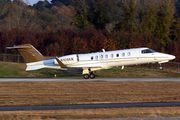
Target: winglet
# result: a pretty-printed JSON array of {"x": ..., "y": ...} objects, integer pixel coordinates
[{"x": 60, "y": 63}]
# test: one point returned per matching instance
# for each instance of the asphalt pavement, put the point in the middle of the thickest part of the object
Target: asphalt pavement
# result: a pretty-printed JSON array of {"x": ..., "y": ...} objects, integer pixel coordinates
[
  {"x": 82, "y": 79},
  {"x": 89, "y": 106}
]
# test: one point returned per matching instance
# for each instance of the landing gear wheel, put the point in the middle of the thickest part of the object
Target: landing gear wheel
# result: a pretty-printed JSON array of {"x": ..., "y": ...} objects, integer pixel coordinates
[
  {"x": 160, "y": 67},
  {"x": 92, "y": 76},
  {"x": 86, "y": 76}
]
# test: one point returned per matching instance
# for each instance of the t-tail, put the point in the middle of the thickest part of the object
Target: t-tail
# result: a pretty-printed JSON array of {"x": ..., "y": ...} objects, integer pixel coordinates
[
  {"x": 34, "y": 59},
  {"x": 29, "y": 53}
]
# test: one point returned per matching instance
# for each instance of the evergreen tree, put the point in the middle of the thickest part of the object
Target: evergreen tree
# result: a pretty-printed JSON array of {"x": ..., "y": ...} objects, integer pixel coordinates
[
  {"x": 43, "y": 6},
  {"x": 2, "y": 1},
  {"x": 164, "y": 21},
  {"x": 65, "y": 2},
  {"x": 148, "y": 15},
  {"x": 98, "y": 14},
  {"x": 129, "y": 12},
  {"x": 175, "y": 34},
  {"x": 81, "y": 20}
]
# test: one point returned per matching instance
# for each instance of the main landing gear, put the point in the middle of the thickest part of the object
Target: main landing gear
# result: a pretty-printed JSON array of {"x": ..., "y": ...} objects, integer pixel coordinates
[{"x": 91, "y": 75}]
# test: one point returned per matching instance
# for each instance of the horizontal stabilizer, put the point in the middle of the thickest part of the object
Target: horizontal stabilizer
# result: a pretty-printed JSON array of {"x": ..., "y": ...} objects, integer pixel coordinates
[
  {"x": 34, "y": 67},
  {"x": 18, "y": 47}
]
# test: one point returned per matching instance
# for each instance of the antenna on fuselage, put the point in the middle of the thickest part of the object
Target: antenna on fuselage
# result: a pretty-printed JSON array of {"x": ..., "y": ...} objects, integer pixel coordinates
[{"x": 103, "y": 50}]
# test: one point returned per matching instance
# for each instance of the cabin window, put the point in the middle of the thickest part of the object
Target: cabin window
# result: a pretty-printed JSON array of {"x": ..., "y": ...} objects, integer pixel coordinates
[
  {"x": 128, "y": 53},
  {"x": 117, "y": 55},
  {"x": 147, "y": 51},
  {"x": 112, "y": 55},
  {"x": 92, "y": 57},
  {"x": 96, "y": 57},
  {"x": 106, "y": 56},
  {"x": 123, "y": 54},
  {"x": 101, "y": 56}
]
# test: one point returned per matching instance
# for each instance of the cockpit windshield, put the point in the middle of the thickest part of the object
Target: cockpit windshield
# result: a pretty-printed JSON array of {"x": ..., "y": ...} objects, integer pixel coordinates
[{"x": 147, "y": 51}]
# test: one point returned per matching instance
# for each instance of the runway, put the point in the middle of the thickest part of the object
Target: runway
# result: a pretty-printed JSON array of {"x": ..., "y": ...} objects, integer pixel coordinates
[
  {"x": 89, "y": 106},
  {"x": 82, "y": 79}
]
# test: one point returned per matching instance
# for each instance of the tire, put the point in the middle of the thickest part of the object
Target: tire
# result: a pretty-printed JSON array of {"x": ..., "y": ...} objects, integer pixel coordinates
[
  {"x": 86, "y": 76},
  {"x": 92, "y": 76},
  {"x": 161, "y": 68}
]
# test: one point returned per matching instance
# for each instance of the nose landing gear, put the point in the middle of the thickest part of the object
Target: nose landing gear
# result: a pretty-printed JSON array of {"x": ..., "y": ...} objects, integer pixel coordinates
[{"x": 160, "y": 66}]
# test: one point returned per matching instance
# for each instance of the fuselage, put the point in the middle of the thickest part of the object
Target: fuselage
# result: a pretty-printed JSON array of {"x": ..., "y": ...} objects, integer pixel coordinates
[
  {"x": 108, "y": 59},
  {"x": 115, "y": 58}
]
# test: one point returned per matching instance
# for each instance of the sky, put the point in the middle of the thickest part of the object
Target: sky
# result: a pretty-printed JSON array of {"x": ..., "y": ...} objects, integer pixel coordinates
[{"x": 34, "y": 1}]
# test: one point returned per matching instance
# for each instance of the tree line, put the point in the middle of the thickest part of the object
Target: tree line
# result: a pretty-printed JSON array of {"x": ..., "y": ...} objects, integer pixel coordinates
[
  {"x": 63, "y": 27},
  {"x": 65, "y": 42}
]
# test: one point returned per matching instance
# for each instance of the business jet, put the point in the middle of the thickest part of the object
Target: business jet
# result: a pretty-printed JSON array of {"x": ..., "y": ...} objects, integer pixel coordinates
[{"x": 91, "y": 62}]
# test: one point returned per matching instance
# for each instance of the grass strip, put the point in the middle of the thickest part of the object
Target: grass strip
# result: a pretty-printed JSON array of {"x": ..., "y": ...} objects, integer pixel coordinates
[
  {"x": 10, "y": 69},
  {"x": 59, "y": 93}
]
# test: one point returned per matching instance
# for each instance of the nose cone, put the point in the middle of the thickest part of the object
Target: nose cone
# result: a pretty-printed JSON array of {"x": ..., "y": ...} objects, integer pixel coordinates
[{"x": 171, "y": 57}]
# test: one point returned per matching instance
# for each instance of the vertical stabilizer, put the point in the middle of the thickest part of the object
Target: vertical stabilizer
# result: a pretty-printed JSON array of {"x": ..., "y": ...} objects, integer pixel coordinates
[{"x": 29, "y": 53}]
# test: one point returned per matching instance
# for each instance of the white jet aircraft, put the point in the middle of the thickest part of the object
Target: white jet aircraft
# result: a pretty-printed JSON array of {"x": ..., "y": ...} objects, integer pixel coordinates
[{"x": 91, "y": 62}]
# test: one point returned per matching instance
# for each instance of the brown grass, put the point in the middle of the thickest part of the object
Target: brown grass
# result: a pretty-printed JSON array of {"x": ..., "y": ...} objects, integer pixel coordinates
[
  {"x": 52, "y": 93},
  {"x": 57, "y": 93},
  {"x": 159, "y": 112}
]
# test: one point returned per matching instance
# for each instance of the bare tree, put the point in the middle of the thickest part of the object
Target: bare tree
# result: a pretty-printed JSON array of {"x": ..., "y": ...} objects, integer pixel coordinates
[
  {"x": 17, "y": 15},
  {"x": 64, "y": 15}
]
